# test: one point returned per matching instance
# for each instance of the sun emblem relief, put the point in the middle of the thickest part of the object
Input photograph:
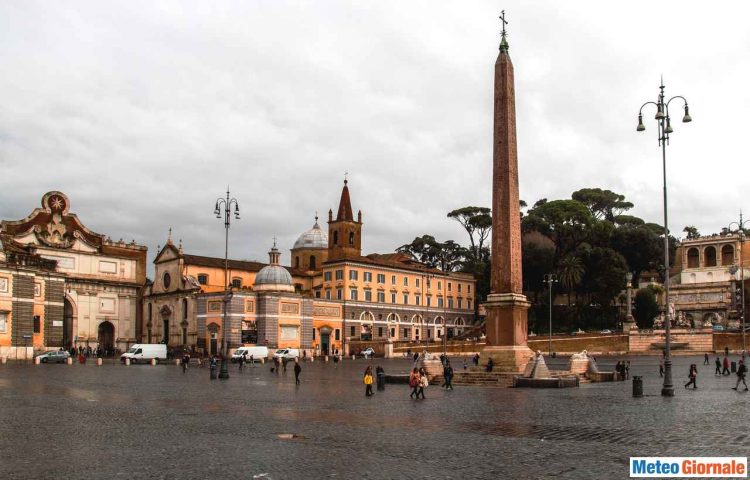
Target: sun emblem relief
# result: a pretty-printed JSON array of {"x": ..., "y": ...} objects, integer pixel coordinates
[{"x": 55, "y": 233}]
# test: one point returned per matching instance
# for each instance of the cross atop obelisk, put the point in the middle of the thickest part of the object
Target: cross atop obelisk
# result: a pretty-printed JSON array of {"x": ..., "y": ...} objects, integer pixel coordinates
[{"x": 503, "y": 40}]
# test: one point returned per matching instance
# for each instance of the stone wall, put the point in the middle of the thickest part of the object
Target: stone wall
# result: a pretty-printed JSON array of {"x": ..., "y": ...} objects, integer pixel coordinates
[
  {"x": 695, "y": 340},
  {"x": 578, "y": 343},
  {"x": 54, "y": 296},
  {"x": 731, "y": 340},
  {"x": 23, "y": 310}
]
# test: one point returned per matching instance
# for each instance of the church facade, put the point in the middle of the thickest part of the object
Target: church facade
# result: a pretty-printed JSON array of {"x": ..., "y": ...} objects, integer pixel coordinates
[
  {"x": 330, "y": 295},
  {"x": 63, "y": 285}
]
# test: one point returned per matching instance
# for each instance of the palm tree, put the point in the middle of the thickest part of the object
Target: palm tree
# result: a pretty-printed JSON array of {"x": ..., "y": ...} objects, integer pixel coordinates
[{"x": 570, "y": 273}]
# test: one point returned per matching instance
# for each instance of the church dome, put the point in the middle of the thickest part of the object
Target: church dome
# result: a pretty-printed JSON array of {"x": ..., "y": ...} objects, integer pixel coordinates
[
  {"x": 313, "y": 238},
  {"x": 273, "y": 277}
]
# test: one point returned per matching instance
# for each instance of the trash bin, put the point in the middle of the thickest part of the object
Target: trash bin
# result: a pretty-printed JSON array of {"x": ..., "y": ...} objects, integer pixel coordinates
[
  {"x": 637, "y": 386},
  {"x": 381, "y": 380},
  {"x": 734, "y": 367}
]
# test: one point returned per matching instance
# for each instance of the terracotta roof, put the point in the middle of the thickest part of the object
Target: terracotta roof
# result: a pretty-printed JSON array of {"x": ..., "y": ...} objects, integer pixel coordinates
[
  {"x": 246, "y": 265},
  {"x": 345, "y": 206},
  {"x": 393, "y": 260}
]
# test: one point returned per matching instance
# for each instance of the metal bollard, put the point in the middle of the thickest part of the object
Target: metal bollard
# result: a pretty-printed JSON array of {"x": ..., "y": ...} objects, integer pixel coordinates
[
  {"x": 354, "y": 357},
  {"x": 37, "y": 361},
  {"x": 153, "y": 362},
  {"x": 262, "y": 361},
  {"x": 326, "y": 358},
  {"x": 69, "y": 361},
  {"x": 127, "y": 361},
  {"x": 734, "y": 367},
  {"x": 637, "y": 386},
  {"x": 3, "y": 360},
  {"x": 99, "y": 362}
]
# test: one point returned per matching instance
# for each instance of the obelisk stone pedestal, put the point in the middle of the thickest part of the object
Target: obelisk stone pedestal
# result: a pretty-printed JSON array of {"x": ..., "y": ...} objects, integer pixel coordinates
[{"x": 507, "y": 319}]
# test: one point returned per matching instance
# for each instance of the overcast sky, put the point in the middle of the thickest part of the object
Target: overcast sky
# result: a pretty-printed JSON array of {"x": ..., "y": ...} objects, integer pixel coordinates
[{"x": 143, "y": 112}]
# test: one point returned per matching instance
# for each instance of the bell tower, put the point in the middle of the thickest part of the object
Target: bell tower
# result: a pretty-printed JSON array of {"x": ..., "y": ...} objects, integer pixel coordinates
[{"x": 344, "y": 233}]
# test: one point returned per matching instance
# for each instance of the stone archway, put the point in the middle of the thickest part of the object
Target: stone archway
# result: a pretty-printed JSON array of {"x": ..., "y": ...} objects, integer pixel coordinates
[
  {"x": 69, "y": 312},
  {"x": 106, "y": 336}
]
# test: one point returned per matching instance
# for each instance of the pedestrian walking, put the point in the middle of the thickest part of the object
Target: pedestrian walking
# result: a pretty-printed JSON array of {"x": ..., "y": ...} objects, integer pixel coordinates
[
  {"x": 490, "y": 365},
  {"x": 692, "y": 376},
  {"x": 741, "y": 371},
  {"x": 423, "y": 383},
  {"x": 718, "y": 366},
  {"x": 627, "y": 370},
  {"x": 705, "y": 359},
  {"x": 414, "y": 382},
  {"x": 465, "y": 366},
  {"x": 297, "y": 371},
  {"x": 617, "y": 370},
  {"x": 661, "y": 368},
  {"x": 184, "y": 362},
  {"x": 448, "y": 375},
  {"x": 726, "y": 351},
  {"x": 476, "y": 360},
  {"x": 416, "y": 357},
  {"x": 726, "y": 371},
  {"x": 284, "y": 362},
  {"x": 368, "y": 381},
  {"x": 241, "y": 361}
]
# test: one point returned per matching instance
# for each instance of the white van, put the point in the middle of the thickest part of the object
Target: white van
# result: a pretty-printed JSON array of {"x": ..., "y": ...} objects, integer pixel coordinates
[
  {"x": 144, "y": 352},
  {"x": 288, "y": 353},
  {"x": 256, "y": 352}
]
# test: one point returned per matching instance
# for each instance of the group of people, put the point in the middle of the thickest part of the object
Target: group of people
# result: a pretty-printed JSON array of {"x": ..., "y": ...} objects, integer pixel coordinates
[
  {"x": 369, "y": 379},
  {"x": 722, "y": 369},
  {"x": 622, "y": 370},
  {"x": 418, "y": 381}
]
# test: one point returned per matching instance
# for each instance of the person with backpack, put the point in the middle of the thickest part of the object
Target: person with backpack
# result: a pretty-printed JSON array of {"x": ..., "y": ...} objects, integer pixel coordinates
[
  {"x": 692, "y": 376},
  {"x": 423, "y": 383},
  {"x": 741, "y": 371}
]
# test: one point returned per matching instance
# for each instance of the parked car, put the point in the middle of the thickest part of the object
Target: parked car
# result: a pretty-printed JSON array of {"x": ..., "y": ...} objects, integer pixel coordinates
[
  {"x": 288, "y": 353},
  {"x": 256, "y": 352},
  {"x": 54, "y": 357},
  {"x": 367, "y": 352},
  {"x": 718, "y": 328},
  {"x": 606, "y": 330}
]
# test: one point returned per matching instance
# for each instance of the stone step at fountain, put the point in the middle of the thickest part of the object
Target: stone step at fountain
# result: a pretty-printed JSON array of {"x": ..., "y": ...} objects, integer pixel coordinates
[{"x": 488, "y": 379}]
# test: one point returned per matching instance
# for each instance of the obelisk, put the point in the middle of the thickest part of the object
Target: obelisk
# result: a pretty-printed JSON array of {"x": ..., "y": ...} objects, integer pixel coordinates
[{"x": 506, "y": 306}]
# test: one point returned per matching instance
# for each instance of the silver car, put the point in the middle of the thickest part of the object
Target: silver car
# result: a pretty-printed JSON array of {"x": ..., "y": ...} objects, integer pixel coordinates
[{"x": 54, "y": 357}]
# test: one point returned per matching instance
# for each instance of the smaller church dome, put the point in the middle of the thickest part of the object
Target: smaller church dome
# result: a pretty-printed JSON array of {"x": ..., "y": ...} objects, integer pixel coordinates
[
  {"x": 313, "y": 238},
  {"x": 273, "y": 277}
]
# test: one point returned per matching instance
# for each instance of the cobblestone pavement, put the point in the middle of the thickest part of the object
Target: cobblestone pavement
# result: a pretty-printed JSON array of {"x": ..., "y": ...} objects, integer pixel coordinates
[{"x": 143, "y": 422}]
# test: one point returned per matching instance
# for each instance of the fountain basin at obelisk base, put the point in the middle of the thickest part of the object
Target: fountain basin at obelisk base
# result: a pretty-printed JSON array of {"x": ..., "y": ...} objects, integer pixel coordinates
[{"x": 537, "y": 375}]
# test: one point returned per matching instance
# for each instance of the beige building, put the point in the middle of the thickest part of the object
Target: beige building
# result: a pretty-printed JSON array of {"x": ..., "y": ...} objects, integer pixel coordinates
[{"x": 96, "y": 303}]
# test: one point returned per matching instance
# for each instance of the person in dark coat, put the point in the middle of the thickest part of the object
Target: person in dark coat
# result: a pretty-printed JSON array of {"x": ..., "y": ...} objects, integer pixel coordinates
[
  {"x": 692, "y": 376},
  {"x": 705, "y": 359},
  {"x": 718, "y": 366},
  {"x": 490, "y": 365},
  {"x": 741, "y": 371},
  {"x": 448, "y": 375},
  {"x": 297, "y": 371}
]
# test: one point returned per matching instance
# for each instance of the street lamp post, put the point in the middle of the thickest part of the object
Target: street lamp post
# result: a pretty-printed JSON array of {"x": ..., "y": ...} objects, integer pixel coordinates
[
  {"x": 741, "y": 225},
  {"x": 224, "y": 205},
  {"x": 550, "y": 279},
  {"x": 629, "y": 316},
  {"x": 664, "y": 128}
]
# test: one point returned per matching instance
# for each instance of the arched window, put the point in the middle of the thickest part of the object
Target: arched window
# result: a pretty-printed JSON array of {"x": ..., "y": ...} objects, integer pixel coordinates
[
  {"x": 692, "y": 258},
  {"x": 336, "y": 238},
  {"x": 727, "y": 255},
  {"x": 313, "y": 262},
  {"x": 393, "y": 318},
  {"x": 184, "y": 309},
  {"x": 351, "y": 238},
  {"x": 416, "y": 319},
  {"x": 709, "y": 257},
  {"x": 367, "y": 317}
]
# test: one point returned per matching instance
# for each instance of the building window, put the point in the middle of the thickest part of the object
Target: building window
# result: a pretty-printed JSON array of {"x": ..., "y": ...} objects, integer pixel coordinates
[
  {"x": 440, "y": 285},
  {"x": 328, "y": 293},
  {"x": 368, "y": 276},
  {"x": 406, "y": 299},
  {"x": 450, "y": 303},
  {"x": 351, "y": 238},
  {"x": 236, "y": 283},
  {"x": 406, "y": 281},
  {"x": 449, "y": 286},
  {"x": 166, "y": 280},
  {"x": 468, "y": 288},
  {"x": 351, "y": 331},
  {"x": 37, "y": 324},
  {"x": 692, "y": 258},
  {"x": 468, "y": 304},
  {"x": 727, "y": 255},
  {"x": 709, "y": 255},
  {"x": 393, "y": 298},
  {"x": 184, "y": 336},
  {"x": 460, "y": 303},
  {"x": 353, "y": 275},
  {"x": 393, "y": 279},
  {"x": 429, "y": 333},
  {"x": 313, "y": 334},
  {"x": 417, "y": 298},
  {"x": 429, "y": 300},
  {"x": 313, "y": 262},
  {"x": 296, "y": 262},
  {"x": 3, "y": 322},
  {"x": 381, "y": 297},
  {"x": 380, "y": 331},
  {"x": 337, "y": 334},
  {"x": 368, "y": 295},
  {"x": 429, "y": 283},
  {"x": 184, "y": 310},
  {"x": 339, "y": 294},
  {"x": 202, "y": 278},
  {"x": 317, "y": 293},
  {"x": 440, "y": 302},
  {"x": 335, "y": 238},
  {"x": 327, "y": 276},
  {"x": 339, "y": 274},
  {"x": 353, "y": 294},
  {"x": 381, "y": 278},
  {"x": 416, "y": 283},
  {"x": 459, "y": 288}
]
